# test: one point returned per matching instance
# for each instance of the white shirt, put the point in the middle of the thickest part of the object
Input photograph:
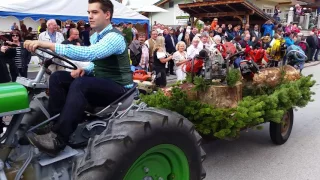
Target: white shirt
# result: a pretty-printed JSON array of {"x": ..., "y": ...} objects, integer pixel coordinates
[
  {"x": 44, "y": 36},
  {"x": 193, "y": 51},
  {"x": 207, "y": 45},
  {"x": 147, "y": 42},
  {"x": 177, "y": 57}
]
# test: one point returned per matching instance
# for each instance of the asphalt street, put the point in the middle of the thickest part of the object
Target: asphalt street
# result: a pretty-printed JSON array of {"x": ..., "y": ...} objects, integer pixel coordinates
[{"x": 254, "y": 157}]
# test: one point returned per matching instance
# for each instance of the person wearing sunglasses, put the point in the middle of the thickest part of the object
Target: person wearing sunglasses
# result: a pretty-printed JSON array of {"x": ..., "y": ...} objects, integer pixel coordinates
[{"x": 18, "y": 57}]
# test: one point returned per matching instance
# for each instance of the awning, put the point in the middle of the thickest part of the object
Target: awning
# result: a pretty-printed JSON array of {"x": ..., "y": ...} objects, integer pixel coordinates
[
  {"x": 64, "y": 10},
  {"x": 226, "y": 10}
]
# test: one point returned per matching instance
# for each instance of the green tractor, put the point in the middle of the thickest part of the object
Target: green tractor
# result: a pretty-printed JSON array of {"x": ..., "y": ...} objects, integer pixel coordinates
[{"x": 123, "y": 141}]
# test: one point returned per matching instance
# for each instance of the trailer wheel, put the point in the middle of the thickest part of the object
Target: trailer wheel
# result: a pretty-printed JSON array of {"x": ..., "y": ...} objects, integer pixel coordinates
[{"x": 280, "y": 132}]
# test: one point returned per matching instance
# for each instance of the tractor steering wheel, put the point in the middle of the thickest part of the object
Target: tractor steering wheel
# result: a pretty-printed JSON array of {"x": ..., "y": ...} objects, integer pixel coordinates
[{"x": 55, "y": 55}]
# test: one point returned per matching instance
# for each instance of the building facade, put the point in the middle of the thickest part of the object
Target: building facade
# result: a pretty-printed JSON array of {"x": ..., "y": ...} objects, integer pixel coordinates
[{"x": 176, "y": 16}]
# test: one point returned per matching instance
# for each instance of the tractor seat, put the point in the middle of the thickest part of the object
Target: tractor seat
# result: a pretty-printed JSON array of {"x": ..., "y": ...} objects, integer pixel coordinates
[{"x": 125, "y": 100}]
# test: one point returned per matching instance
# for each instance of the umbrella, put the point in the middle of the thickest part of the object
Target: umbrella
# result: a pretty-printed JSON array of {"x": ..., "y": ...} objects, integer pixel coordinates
[{"x": 151, "y": 9}]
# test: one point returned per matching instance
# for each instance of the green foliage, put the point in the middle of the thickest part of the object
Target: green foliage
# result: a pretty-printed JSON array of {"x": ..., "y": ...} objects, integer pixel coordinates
[
  {"x": 200, "y": 84},
  {"x": 233, "y": 77},
  {"x": 199, "y": 25},
  {"x": 250, "y": 112},
  {"x": 189, "y": 78}
]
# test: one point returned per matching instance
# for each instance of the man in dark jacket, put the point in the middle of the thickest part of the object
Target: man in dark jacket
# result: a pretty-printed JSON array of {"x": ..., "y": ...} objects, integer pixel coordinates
[
  {"x": 255, "y": 33},
  {"x": 4, "y": 73},
  {"x": 85, "y": 35},
  {"x": 171, "y": 41},
  {"x": 313, "y": 45},
  {"x": 193, "y": 33}
]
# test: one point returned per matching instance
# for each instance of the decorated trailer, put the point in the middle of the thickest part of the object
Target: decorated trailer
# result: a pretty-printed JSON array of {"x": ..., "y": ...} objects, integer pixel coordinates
[{"x": 221, "y": 98}]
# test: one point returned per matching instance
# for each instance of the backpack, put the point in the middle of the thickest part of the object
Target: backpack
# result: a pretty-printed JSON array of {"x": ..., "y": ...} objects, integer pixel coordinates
[
  {"x": 296, "y": 54},
  {"x": 135, "y": 52}
]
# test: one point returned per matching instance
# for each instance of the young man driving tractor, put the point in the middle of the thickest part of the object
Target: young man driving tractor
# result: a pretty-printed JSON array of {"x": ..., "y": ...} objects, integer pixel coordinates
[{"x": 106, "y": 78}]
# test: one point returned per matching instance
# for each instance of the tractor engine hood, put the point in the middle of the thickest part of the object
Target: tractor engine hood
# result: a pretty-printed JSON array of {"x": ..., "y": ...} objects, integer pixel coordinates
[{"x": 13, "y": 99}]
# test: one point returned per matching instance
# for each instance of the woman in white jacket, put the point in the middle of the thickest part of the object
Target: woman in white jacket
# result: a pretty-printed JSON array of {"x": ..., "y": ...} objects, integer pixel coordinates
[{"x": 180, "y": 58}]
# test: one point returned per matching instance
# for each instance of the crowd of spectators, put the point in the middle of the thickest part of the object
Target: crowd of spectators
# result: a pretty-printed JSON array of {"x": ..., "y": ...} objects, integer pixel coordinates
[
  {"x": 170, "y": 48},
  {"x": 166, "y": 50}
]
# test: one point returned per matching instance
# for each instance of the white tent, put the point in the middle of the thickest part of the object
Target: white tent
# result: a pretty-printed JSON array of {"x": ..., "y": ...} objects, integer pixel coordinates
[{"x": 64, "y": 10}]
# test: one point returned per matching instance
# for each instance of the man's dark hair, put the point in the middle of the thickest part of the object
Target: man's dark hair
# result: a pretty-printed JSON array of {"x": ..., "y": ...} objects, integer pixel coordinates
[{"x": 105, "y": 5}]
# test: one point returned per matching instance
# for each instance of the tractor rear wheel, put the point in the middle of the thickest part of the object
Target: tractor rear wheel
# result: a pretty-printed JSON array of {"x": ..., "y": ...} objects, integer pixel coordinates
[{"x": 150, "y": 145}]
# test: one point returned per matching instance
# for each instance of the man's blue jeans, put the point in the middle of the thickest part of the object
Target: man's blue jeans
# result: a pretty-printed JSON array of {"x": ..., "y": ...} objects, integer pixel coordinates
[{"x": 70, "y": 97}]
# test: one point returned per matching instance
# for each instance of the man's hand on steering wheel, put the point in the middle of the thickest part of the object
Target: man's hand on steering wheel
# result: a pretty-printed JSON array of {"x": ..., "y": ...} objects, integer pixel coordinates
[
  {"x": 43, "y": 46},
  {"x": 33, "y": 45},
  {"x": 77, "y": 73}
]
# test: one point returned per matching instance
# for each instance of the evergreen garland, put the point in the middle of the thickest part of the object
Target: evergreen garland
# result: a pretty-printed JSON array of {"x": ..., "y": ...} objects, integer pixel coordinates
[
  {"x": 254, "y": 109},
  {"x": 233, "y": 77}
]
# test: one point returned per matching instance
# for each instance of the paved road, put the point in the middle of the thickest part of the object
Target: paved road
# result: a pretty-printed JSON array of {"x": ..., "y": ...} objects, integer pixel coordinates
[{"x": 254, "y": 157}]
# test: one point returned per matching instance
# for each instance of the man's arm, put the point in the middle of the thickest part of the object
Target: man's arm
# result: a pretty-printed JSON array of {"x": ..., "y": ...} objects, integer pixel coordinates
[
  {"x": 112, "y": 43},
  {"x": 89, "y": 69}
]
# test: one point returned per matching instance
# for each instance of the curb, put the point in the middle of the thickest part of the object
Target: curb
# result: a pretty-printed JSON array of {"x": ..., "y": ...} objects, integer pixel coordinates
[{"x": 310, "y": 65}]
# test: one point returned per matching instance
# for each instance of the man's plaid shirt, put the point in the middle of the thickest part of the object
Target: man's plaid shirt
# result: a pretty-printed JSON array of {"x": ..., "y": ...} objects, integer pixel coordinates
[{"x": 103, "y": 44}]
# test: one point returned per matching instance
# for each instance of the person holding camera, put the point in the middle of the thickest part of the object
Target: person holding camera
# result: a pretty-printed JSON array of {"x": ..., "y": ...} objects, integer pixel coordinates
[
  {"x": 17, "y": 56},
  {"x": 161, "y": 57}
]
